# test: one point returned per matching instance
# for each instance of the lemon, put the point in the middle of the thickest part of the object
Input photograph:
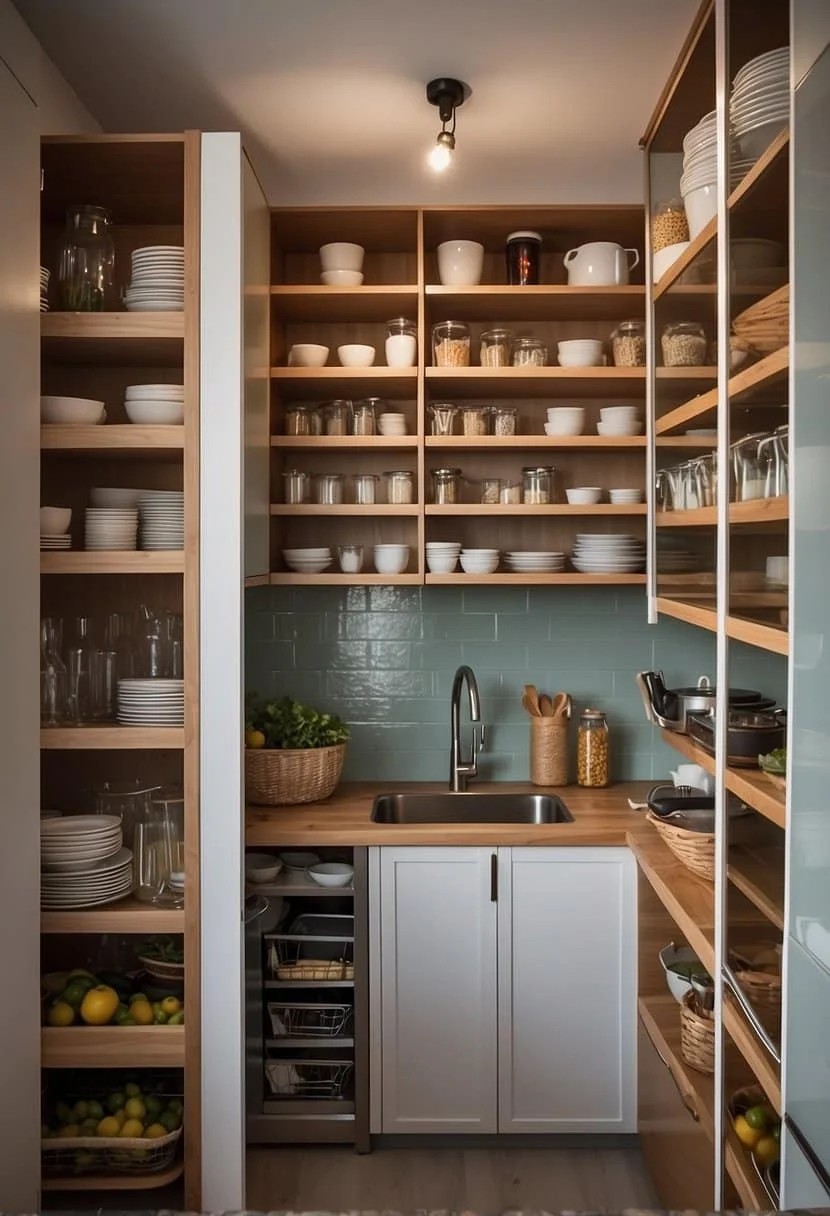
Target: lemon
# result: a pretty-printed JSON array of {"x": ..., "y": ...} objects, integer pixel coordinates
[
  {"x": 170, "y": 1005},
  {"x": 155, "y": 1131},
  {"x": 131, "y": 1089},
  {"x": 766, "y": 1150},
  {"x": 135, "y": 1109},
  {"x": 89, "y": 1127},
  {"x": 132, "y": 1129},
  {"x": 141, "y": 1011},
  {"x": 254, "y": 738},
  {"x": 109, "y": 1126},
  {"x": 60, "y": 1014},
  {"x": 746, "y": 1134},
  {"x": 121, "y": 1117},
  {"x": 99, "y": 1005}
]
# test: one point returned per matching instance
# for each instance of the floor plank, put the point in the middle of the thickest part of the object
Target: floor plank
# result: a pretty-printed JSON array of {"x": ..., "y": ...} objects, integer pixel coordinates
[{"x": 477, "y": 1180}]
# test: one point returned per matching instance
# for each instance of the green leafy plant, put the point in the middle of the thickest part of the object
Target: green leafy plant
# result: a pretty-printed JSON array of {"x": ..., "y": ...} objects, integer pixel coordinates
[
  {"x": 775, "y": 762},
  {"x": 286, "y": 724},
  {"x": 164, "y": 949}
]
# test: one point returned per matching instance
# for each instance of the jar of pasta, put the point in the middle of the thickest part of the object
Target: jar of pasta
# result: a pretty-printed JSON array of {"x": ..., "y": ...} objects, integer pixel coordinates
[
  {"x": 592, "y": 754},
  {"x": 399, "y": 487},
  {"x": 475, "y": 419}
]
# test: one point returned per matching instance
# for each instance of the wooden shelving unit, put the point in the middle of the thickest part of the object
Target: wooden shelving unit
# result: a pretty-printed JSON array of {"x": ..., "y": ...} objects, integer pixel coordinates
[
  {"x": 152, "y": 339},
  {"x": 759, "y": 874},
  {"x": 126, "y": 916},
  {"x": 545, "y": 302},
  {"x": 688, "y": 899},
  {"x": 661, "y": 1017},
  {"x": 519, "y": 382},
  {"x": 566, "y": 579},
  {"x": 113, "y": 1047},
  {"x": 762, "y": 1066},
  {"x": 113, "y": 562},
  {"x": 111, "y": 738},
  {"x": 749, "y": 784},
  {"x": 750, "y": 387},
  {"x": 112, "y": 439}
]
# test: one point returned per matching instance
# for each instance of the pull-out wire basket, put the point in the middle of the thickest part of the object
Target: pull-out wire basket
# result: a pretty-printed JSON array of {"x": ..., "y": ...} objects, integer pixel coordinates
[
  {"x": 309, "y": 1021},
  {"x": 296, "y": 1078}
]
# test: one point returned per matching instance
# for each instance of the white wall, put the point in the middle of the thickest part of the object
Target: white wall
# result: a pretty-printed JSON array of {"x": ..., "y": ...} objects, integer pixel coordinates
[{"x": 60, "y": 112}]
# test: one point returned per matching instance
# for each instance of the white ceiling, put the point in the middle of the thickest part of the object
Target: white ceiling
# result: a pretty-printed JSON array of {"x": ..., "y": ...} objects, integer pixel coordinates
[{"x": 329, "y": 94}]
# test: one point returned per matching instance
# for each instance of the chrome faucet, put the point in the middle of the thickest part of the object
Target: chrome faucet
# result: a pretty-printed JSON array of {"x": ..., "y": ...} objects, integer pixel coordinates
[{"x": 460, "y": 772}]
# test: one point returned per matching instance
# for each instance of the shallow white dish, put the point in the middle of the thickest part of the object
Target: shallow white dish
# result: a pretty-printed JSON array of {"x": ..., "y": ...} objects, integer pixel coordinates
[
  {"x": 664, "y": 258},
  {"x": 154, "y": 413},
  {"x": 307, "y": 354},
  {"x": 64, "y": 410},
  {"x": 701, "y": 206},
  {"x": 584, "y": 495},
  {"x": 677, "y": 985},
  {"x": 331, "y": 873},
  {"x": 342, "y": 278}
]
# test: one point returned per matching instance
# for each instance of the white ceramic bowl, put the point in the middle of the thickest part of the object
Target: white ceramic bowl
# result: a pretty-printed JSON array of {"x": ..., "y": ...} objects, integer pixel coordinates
[
  {"x": 584, "y": 495},
  {"x": 565, "y": 420},
  {"x": 471, "y": 565},
  {"x": 701, "y": 206},
  {"x": 356, "y": 354},
  {"x": 342, "y": 278},
  {"x": 678, "y": 986},
  {"x": 437, "y": 564},
  {"x": 331, "y": 873},
  {"x": 55, "y": 521},
  {"x": 749, "y": 253},
  {"x": 341, "y": 255},
  {"x": 299, "y": 861},
  {"x": 155, "y": 413},
  {"x": 579, "y": 352},
  {"x": 390, "y": 559},
  {"x": 307, "y": 354},
  {"x": 625, "y": 427},
  {"x": 664, "y": 258},
  {"x": 71, "y": 409},
  {"x": 114, "y": 496},
  {"x": 460, "y": 263},
  {"x": 262, "y": 867},
  {"x": 619, "y": 413}
]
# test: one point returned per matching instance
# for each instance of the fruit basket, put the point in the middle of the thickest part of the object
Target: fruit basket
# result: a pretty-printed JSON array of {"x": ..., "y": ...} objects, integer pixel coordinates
[
  {"x": 79, "y": 1155},
  {"x": 753, "y": 1119}
]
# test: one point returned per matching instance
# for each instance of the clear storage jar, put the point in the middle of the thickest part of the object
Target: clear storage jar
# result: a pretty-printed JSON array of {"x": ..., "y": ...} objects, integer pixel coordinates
[
  {"x": 442, "y": 418},
  {"x": 495, "y": 348},
  {"x": 446, "y": 486},
  {"x": 451, "y": 344},
  {"x": 504, "y": 419},
  {"x": 592, "y": 749},
  {"x": 364, "y": 487},
  {"x": 401, "y": 342},
  {"x": 400, "y": 487},
  {"x": 475, "y": 419},
  {"x": 684, "y": 344},
  {"x": 529, "y": 352},
  {"x": 669, "y": 225},
  {"x": 87, "y": 260},
  {"x": 302, "y": 420},
  {"x": 523, "y": 255},
  {"x": 337, "y": 417},
  {"x": 491, "y": 490},
  {"x": 364, "y": 417},
  {"x": 510, "y": 493},
  {"x": 537, "y": 485},
  {"x": 296, "y": 486},
  {"x": 328, "y": 489},
  {"x": 628, "y": 344}
]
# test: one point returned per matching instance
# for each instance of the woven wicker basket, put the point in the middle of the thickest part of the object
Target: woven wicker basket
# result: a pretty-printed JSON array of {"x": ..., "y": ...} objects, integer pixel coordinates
[
  {"x": 765, "y": 324},
  {"x": 549, "y": 751},
  {"x": 696, "y": 850},
  {"x": 276, "y": 777},
  {"x": 697, "y": 1035}
]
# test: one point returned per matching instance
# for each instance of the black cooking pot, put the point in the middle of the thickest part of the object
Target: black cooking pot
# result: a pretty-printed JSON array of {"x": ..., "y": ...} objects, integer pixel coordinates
[
  {"x": 748, "y": 734},
  {"x": 670, "y": 707}
]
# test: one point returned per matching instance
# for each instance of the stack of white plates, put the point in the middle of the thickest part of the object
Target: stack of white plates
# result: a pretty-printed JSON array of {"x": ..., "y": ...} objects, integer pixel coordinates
[
  {"x": 110, "y": 528},
  {"x": 760, "y": 103},
  {"x": 44, "y": 289},
  {"x": 155, "y": 404},
  {"x": 603, "y": 553},
  {"x": 162, "y": 519},
  {"x": 480, "y": 561},
  {"x": 83, "y": 861},
  {"x": 150, "y": 702},
  {"x": 625, "y": 497},
  {"x": 442, "y": 556},
  {"x": 64, "y": 541},
  {"x": 530, "y": 562},
  {"x": 157, "y": 283},
  {"x": 307, "y": 561}
]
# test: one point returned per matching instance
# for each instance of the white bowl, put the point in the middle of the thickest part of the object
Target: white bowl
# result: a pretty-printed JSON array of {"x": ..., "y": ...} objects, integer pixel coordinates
[
  {"x": 155, "y": 413},
  {"x": 701, "y": 206},
  {"x": 460, "y": 263},
  {"x": 71, "y": 409},
  {"x": 390, "y": 559},
  {"x": 436, "y": 564},
  {"x": 610, "y": 412},
  {"x": 114, "y": 496},
  {"x": 299, "y": 861},
  {"x": 262, "y": 867},
  {"x": 341, "y": 255},
  {"x": 342, "y": 278},
  {"x": 565, "y": 420},
  {"x": 356, "y": 354},
  {"x": 55, "y": 521},
  {"x": 331, "y": 873},
  {"x": 307, "y": 354},
  {"x": 579, "y": 352},
  {"x": 625, "y": 427},
  {"x": 664, "y": 258},
  {"x": 472, "y": 566},
  {"x": 584, "y": 495},
  {"x": 677, "y": 985}
]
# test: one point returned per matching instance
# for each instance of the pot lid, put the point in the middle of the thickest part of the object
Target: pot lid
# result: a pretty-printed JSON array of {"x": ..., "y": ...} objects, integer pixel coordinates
[{"x": 737, "y": 696}]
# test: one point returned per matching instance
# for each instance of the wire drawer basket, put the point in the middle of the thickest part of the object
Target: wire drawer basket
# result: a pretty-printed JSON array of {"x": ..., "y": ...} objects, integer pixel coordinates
[
  {"x": 309, "y": 1021},
  {"x": 295, "y": 1078},
  {"x": 315, "y": 950},
  {"x": 82, "y": 1155}
]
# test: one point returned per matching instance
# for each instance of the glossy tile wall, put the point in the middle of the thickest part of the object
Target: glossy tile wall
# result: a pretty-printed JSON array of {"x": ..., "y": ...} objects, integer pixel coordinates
[{"x": 384, "y": 658}]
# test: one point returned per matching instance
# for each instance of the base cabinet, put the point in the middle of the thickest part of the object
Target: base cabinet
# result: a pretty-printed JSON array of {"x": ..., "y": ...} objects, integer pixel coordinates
[{"x": 504, "y": 992}]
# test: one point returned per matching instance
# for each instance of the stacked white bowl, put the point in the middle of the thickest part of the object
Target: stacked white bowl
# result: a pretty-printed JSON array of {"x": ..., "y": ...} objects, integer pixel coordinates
[
  {"x": 442, "y": 556},
  {"x": 157, "y": 283},
  {"x": 110, "y": 528},
  {"x": 74, "y": 411},
  {"x": 580, "y": 352},
  {"x": 54, "y": 527},
  {"x": 45, "y": 275},
  {"x": 308, "y": 354},
  {"x": 342, "y": 263},
  {"x": 155, "y": 404},
  {"x": 622, "y": 497},
  {"x": 700, "y": 173},
  {"x": 307, "y": 561},
  {"x": 584, "y": 496},
  {"x": 603, "y": 553},
  {"x": 620, "y": 420},
  {"x": 390, "y": 559},
  {"x": 162, "y": 519},
  {"x": 565, "y": 420},
  {"x": 534, "y": 562},
  {"x": 480, "y": 561},
  {"x": 760, "y": 103},
  {"x": 390, "y": 423}
]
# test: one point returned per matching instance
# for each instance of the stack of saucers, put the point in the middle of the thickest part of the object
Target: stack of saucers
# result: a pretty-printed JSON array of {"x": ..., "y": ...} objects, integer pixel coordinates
[
  {"x": 162, "y": 519},
  {"x": 760, "y": 103},
  {"x": 155, "y": 404},
  {"x": 157, "y": 283},
  {"x": 603, "y": 553},
  {"x": 480, "y": 561},
  {"x": 442, "y": 556},
  {"x": 622, "y": 497},
  {"x": 111, "y": 528},
  {"x": 63, "y": 541},
  {"x": 83, "y": 861},
  {"x": 150, "y": 702},
  {"x": 44, "y": 288},
  {"x": 534, "y": 562},
  {"x": 307, "y": 561}
]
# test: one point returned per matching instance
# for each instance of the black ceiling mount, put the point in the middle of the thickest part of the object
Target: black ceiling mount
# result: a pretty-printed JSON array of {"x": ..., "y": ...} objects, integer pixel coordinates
[{"x": 447, "y": 94}]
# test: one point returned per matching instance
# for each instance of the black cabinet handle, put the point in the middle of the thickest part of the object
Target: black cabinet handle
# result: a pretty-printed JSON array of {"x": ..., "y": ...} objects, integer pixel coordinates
[{"x": 494, "y": 877}]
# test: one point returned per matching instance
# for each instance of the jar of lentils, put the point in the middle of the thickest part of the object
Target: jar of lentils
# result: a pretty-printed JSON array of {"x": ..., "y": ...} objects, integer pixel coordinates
[
  {"x": 503, "y": 418},
  {"x": 592, "y": 750},
  {"x": 684, "y": 344},
  {"x": 475, "y": 419}
]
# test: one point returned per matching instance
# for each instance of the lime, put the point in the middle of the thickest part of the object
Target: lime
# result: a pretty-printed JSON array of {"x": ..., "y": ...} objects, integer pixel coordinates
[
  {"x": 169, "y": 1120},
  {"x": 115, "y": 1102},
  {"x": 80, "y": 1111},
  {"x": 154, "y": 1105},
  {"x": 132, "y": 1090},
  {"x": 63, "y": 1112},
  {"x": 96, "y": 1110},
  {"x": 756, "y": 1117},
  {"x": 60, "y": 1014},
  {"x": 76, "y": 989},
  {"x": 746, "y": 1134}
]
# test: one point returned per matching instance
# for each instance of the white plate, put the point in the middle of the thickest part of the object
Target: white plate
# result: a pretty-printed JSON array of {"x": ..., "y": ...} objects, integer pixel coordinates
[
  {"x": 71, "y": 825},
  {"x": 107, "y": 865},
  {"x": 158, "y": 306}
]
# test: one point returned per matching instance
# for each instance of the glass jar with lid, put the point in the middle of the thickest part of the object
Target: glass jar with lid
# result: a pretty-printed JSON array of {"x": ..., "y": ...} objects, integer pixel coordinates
[
  {"x": 592, "y": 749},
  {"x": 504, "y": 419},
  {"x": 364, "y": 416},
  {"x": 400, "y": 486},
  {"x": 510, "y": 493},
  {"x": 748, "y": 467},
  {"x": 684, "y": 344},
  {"x": 87, "y": 260},
  {"x": 451, "y": 344},
  {"x": 495, "y": 347},
  {"x": 491, "y": 490},
  {"x": 628, "y": 344},
  {"x": 529, "y": 352},
  {"x": 537, "y": 485},
  {"x": 401, "y": 342},
  {"x": 337, "y": 417},
  {"x": 296, "y": 486},
  {"x": 669, "y": 225},
  {"x": 442, "y": 418},
  {"x": 364, "y": 487},
  {"x": 523, "y": 254},
  {"x": 475, "y": 419},
  {"x": 328, "y": 489},
  {"x": 446, "y": 486},
  {"x": 302, "y": 420}
]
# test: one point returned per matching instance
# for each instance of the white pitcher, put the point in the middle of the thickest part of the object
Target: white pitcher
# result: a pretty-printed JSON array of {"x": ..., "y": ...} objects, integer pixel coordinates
[{"x": 599, "y": 264}]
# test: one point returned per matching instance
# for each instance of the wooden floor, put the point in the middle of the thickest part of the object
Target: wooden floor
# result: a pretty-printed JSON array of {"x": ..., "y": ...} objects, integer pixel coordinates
[{"x": 479, "y": 1180}]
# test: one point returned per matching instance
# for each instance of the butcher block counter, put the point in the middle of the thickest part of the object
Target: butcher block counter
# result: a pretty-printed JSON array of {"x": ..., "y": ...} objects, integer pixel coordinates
[{"x": 601, "y": 817}]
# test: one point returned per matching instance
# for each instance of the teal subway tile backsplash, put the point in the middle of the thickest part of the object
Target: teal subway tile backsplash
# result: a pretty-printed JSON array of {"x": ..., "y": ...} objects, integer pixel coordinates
[{"x": 384, "y": 659}]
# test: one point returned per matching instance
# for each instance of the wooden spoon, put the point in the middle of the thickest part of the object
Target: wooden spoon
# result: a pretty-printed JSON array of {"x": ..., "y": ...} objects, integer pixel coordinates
[
  {"x": 532, "y": 698},
  {"x": 546, "y": 705},
  {"x": 560, "y": 705}
]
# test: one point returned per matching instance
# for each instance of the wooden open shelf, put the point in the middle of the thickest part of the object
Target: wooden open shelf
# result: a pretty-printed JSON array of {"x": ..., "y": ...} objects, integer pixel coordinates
[
  {"x": 660, "y": 1016},
  {"x": 336, "y": 579},
  {"x": 372, "y": 510},
  {"x": 167, "y": 561},
  {"x": 753, "y": 633},
  {"x": 769, "y": 161},
  {"x": 565, "y": 579},
  {"x": 688, "y": 899},
  {"x": 128, "y": 916},
  {"x": 691, "y": 614},
  {"x": 358, "y": 381},
  {"x": 297, "y": 302},
  {"x": 361, "y": 443},
  {"x": 130, "y": 338},
  {"x": 545, "y": 302},
  {"x": 681, "y": 443},
  {"x": 530, "y": 509},
  {"x": 754, "y": 511},
  {"x": 750, "y": 387},
  {"x": 763, "y": 1067},
  {"x": 112, "y": 1046},
  {"x": 521, "y": 382},
  {"x": 130, "y": 439},
  {"x": 112, "y": 738},
  {"x": 758, "y": 873},
  {"x": 117, "y": 1182},
  {"x": 746, "y": 783},
  {"x": 700, "y": 517},
  {"x": 694, "y": 249}
]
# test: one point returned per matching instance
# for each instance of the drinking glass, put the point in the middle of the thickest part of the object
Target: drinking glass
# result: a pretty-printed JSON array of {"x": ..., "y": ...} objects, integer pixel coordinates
[
  {"x": 80, "y": 654},
  {"x": 132, "y": 800},
  {"x": 168, "y": 808},
  {"x": 151, "y": 860},
  {"x": 54, "y": 685}
]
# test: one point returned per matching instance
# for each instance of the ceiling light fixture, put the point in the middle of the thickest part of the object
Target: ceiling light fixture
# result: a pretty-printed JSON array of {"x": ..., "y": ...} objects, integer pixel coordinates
[{"x": 447, "y": 94}]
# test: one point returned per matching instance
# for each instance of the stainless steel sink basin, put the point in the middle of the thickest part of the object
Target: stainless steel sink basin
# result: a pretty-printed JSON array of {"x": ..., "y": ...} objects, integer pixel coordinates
[{"x": 470, "y": 808}]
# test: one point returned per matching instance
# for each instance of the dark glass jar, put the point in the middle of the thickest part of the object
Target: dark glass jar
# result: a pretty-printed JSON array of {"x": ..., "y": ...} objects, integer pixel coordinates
[{"x": 524, "y": 253}]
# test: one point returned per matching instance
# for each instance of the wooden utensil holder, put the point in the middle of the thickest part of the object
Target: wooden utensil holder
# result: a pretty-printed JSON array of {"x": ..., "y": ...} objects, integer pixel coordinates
[{"x": 549, "y": 751}]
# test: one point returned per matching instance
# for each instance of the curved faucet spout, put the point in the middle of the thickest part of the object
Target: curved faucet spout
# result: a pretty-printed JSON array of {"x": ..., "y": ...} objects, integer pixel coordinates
[{"x": 461, "y": 771}]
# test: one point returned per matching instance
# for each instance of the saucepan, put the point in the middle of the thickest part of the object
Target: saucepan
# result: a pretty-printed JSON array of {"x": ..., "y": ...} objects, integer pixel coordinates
[
  {"x": 669, "y": 707},
  {"x": 749, "y": 734}
]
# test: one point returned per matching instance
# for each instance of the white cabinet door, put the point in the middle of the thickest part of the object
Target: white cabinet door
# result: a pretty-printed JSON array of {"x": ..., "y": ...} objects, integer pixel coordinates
[
  {"x": 567, "y": 990},
  {"x": 436, "y": 924}
]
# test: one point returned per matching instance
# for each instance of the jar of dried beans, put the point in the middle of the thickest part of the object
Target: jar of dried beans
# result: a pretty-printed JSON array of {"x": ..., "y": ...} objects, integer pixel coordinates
[
  {"x": 669, "y": 225},
  {"x": 684, "y": 344},
  {"x": 628, "y": 344},
  {"x": 592, "y": 750}
]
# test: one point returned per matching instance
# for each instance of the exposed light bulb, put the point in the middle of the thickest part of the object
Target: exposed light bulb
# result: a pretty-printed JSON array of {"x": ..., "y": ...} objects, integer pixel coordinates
[{"x": 440, "y": 157}]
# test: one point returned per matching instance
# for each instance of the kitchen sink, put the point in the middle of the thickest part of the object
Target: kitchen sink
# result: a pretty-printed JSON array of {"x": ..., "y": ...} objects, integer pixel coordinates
[{"x": 470, "y": 808}]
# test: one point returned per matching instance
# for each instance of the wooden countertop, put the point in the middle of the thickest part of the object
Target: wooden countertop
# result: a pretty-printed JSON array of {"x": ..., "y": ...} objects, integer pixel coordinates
[{"x": 601, "y": 817}]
